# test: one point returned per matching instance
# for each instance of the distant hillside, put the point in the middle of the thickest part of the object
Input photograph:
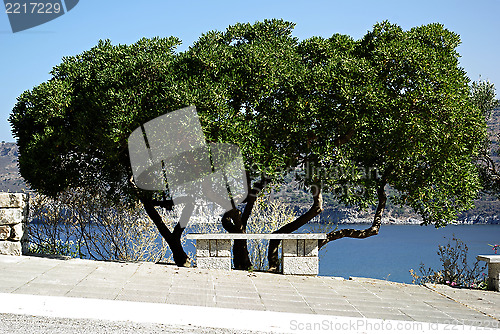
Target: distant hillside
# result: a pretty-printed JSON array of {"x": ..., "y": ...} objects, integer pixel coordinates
[
  {"x": 487, "y": 208},
  {"x": 494, "y": 132},
  {"x": 10, "y": 180}
]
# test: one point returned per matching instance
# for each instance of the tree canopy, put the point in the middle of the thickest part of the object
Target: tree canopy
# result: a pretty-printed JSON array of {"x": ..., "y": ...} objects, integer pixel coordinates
[{"x": 393, "y": 108}]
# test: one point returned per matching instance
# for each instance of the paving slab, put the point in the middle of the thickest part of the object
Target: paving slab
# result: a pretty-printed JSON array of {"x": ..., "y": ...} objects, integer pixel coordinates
[
  {"x": 486, "y": 302},
  {"x": 168, "y": 284}
]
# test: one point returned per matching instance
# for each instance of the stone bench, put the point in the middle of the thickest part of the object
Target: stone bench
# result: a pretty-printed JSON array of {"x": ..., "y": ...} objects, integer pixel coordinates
[
  {"x": 299, "y": 251},
  {"x": 493, "y": 270}
]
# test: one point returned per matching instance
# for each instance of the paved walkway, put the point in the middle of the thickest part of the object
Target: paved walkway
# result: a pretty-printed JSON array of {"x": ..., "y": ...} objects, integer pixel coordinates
[{"x": 358, "y": 298}]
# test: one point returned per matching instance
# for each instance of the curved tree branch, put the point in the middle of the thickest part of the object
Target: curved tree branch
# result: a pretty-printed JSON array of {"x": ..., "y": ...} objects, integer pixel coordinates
[{"x": 361, "y": 234}]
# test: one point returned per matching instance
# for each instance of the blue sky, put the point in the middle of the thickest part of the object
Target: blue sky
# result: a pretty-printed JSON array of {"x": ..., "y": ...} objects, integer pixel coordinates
[{"x": 27, "y": 57}]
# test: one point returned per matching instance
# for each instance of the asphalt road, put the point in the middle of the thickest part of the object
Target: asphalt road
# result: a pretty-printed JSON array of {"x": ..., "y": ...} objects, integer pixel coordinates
[{"x": 23, "y": 324}]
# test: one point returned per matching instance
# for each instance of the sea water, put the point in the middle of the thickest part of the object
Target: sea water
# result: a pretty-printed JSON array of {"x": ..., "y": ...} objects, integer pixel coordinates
[{"x": 398, "y": 248}]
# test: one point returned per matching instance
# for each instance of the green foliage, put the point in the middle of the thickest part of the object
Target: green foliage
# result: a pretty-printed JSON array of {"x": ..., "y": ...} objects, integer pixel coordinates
[
  {"x": 423, "y": 131},
  {"x": 241, "y": 76},
  {"x": 394, "y": 102},
  {"x": 72, "y": 130}
]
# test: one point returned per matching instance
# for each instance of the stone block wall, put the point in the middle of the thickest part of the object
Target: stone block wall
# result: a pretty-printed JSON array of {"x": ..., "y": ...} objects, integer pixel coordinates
[
  {"x": 300, "y": 257},
  {"x": 13, "y": 215},
  {"x": 213, "y": 254}
]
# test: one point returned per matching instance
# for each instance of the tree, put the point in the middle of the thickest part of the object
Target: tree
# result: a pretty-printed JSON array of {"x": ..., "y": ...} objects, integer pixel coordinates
[
  {"x": 410, "y": 118},
  {"x": 72, "y": 130},
  {"x": 254, "y": 65},
  {"x": 392, "y": 109}
]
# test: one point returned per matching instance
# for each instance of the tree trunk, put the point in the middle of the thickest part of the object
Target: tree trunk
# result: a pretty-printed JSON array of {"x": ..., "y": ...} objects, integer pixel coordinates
[
  {"x": 361, "y": 234},
  {"x": 173, "y": 239},
  {"x": 231, "y": 221},
  {"x": 316, "y": 209},
  {"x": 235, "y": 221}
]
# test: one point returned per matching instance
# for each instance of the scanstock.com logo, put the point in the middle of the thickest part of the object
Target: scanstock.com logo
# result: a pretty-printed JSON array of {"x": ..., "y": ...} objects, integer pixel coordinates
[{"x": 26, "y": 14}]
